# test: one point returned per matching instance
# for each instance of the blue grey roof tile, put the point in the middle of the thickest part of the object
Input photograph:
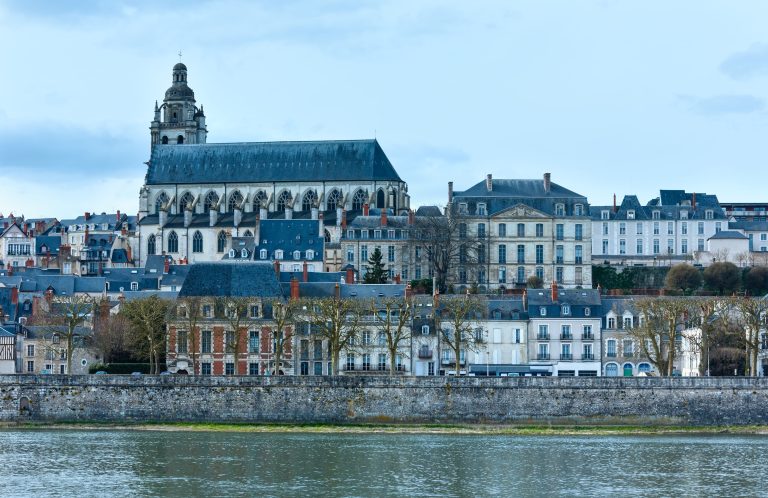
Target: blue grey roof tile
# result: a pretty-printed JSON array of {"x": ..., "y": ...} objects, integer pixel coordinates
[{"x": 231, "y": 279}]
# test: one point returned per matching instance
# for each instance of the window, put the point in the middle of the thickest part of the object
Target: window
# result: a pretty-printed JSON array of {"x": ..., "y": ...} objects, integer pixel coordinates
[
  {"x": 520, "y": 230},
  {"x": 543, "y": 352},
  {"x": 309, "y": 201},
  {"x": 684, "y": 228},
  {"x": 700, "y": 245},
  {"x": 350, "y": 254},
  {"x": 605, "y": 246},
  {"x": 628, "y": 348},
  {"x": 278, "y": 254},
  {"x": 211, "y": 201},
  {"x": 708, "y": 214},
  {"x": 587, "y": 352},
  {"x": 382, "y": 361},
  {"x": 670, "y": 228},
  {"x": 520, "y": 254},
  {"x": 390, "y": 254},
  {"x": 684, "y": 247},
  {"x": 578, "y": 210},
  {"x": 463, "y": 208},
  {"x": 173, "y": 242},
  {"x": 610, "y": 350},
  {"x": 481, "y": 254},
  {"x": 559, "y": 209},
  {"x": 631, "y": 214},
  {"x": 502, "y": 275},
  {"x": 611, "y": 370},
  {"x": 717, "y": 227},
  {"x": 263, "y": 254},
  {"x": 611, "y": 323},
  {"x": 284, "y": 200},
  {"x": 671, "y": 246},
  {"x": 622, "y": 228},
  {"x": 559, "y": 274},
  {"x": 197, "y": 242},
  {"x": 539, "y": 254},
  {"x": 639, "y": 246},
  {"x": 565, "y": 352},
  {"x": 579, "y": 255},
  {"x": 656, "y": 246},
  {"x": 700, "y": 228},
  {"x": 502, "y": 254},
  {"x": 366, "y": 361},
  {"x": 539, "y": 229},
  {"x": 559, "y": 231},
  {"x": 377, "y": 234},
  {"x": 639, "y": 228},
  {"x": 605, "y": 215},
  {"x": 221, "y": 241},
  {"x": 559, "y": 254},
  {"x": 205, "y": 368},
  {"x": 605, "y": 228},
  {"x": 656, "y": 215},
  {"x": 30, "y": 350},
  {"x": 30, "y": 366},
  {"x": 253, "y": 369},
  {"x": 462, "y": 230},
  {"x": 296, "y": 255},
  {"x": 481, "y": 229},
  {"x": 206, "y": 341},
  {"x": 521, "y": 274},
  {"x": 425, "y": 329},
  {"x": 229, "y": 341},
  {"x": 358, "y": 200},
  {"x": 579, "y": 228},
  {"x": 587, "y": 330},
  {"x": 334, "y": 201},
  {"x": 481, "y": 209},
  {"x": 161, "y": 201},
  {"x": 566, "y": 310},
  {"x": 229, "y": 368},
  {"x": 655, "y": 227},
  {"x": 683, "y": 215},
  {"x": 253, "y": 341},
  {"x": 543, "y": 334},
  {"x": 235, "y": 201},
  {"x": 255, "y": 311},
  {"x": 181, "y": 341}
]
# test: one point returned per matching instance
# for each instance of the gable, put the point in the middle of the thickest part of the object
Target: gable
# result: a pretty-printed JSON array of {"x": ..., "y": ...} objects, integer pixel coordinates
[{"x": 520, "y": 211}]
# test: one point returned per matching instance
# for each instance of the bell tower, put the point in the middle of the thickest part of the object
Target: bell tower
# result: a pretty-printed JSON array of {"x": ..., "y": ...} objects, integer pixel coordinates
[{"x": 178, "y": 120}]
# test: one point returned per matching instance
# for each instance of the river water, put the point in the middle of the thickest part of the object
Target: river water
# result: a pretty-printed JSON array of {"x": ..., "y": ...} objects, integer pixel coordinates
[{"x": 143, "y": 463}]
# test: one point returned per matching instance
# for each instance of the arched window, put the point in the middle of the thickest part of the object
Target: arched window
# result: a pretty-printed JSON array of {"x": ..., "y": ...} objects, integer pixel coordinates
[
  {"x": 173, "y": 242},
  {"x": 644, "y": 368},
  {"x": 165, "y": 140},
  {"x": 186, "y": 200},
  {"x": 235, "y": 200},
  {"x": 309, "y": 201},
  {"x": 161, "y": 201},
  {"x": 151, "y": 245},
  {"x": 284, "y": 200},
  {"x": 327, "y": 236},
  {"x": 197, "y": 242},
  {"x": 380, "y": 201},
  {"x": 179, "y": 139},
  {"x": 334, "y": 200},
  {"x": 358, "y": 200},
  {"x": 221, "y": 242},
  {"x": 259, "y": 200},
  {"x": 211, "y": 201},
  {"x": 247, "y": 234},
  {"x": 611, "y": 370}
]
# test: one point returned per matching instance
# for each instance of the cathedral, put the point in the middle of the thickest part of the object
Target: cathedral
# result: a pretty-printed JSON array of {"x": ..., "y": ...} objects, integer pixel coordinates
[{"x": 198, "y": 196}]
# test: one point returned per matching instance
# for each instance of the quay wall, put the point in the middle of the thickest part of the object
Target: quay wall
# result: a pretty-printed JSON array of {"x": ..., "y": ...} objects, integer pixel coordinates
[{"x": 382, "y": 399}]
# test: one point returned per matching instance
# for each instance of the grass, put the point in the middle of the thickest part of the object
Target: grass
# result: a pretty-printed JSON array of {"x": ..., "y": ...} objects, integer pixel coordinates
[{"x": 446, "y": 429}]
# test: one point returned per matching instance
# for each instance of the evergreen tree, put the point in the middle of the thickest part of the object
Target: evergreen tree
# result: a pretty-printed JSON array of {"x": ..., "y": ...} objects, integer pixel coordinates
[{"x": 376, "y": 273}]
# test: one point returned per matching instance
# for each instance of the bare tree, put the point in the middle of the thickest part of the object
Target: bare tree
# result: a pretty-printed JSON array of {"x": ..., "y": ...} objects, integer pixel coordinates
[
  {"x": 148, "y": 322},
  {"x": 335, "y": 320},
  {"x": 284, "y": 316},
  {"x": 189, "y": 313},
  {"x": 393, "y": 319},
  {"x": 111, "y": 337},
  {"x": 657, "y": 332},
  {"x": 62, "y": 316},
  {"x": 752, "y": 314},
  {"x": 457, "y": 322}
]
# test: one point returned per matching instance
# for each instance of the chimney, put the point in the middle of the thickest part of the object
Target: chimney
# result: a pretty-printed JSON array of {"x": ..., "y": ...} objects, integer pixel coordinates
[
  {"x": 411, "y": 217},
  {"x": 85, "y": 240},
  {"x": 321, "y": 226},
  {"x": 29, "y": 263},
  {"x": 525, "y": 300},
  {"x": 350, "y": 279},
  {"x": 344, "y": 219},
  {"x": 450, "y": 192},
  {"x": 305, "y": 272},
  {"x": 554, "y": 292},
  {"x": 693, "y": 200},
  {"x": 337, "y": 292},
  {"x": 118, "y": 216},
  {"x": 489, "y": 182},
  {"x": 263, "y": 213},
  {"x": 214, "y": 216},
  {"x": 288, "y": 213},
  {"x": 294, "y": 289},
  {"x": 238, "y": 216},
  {"x": 14, "y": 293},
  {"x": 87, "y": 216},
  {"x": 366, "y": 209},
  {"x": 129, "y": 253},
  {"x": 166, "y": 265},
  {"x": 384, "y": 217},
  {"x": 162, "y": 216},
  {"x": 408, "y": 291},
  {"x": 547, "y": 183},
  {"x": 277, "y": 269},
  {"x": 10, "y": 270},
  {"x": 339, "y": 212},
  {"x": 315, "y": 213},
  {"x": 614, "y": 203}
]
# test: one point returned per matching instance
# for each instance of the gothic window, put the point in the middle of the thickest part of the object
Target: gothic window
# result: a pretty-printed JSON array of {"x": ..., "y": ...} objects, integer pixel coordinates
[
  {"x": 284, "y": 200},
  {"x": 161, "y": 201},
  {"x": 327, "y": 236},
  {"x": 173, "y": 242},
  {"x": 334, "y": 200},
  {"x": 358, "y": 200},
  {"x": 309, "y": 201},
  {"x": 179, "y": 139},
  {"x": 151, "y": 247},
  {"x": 259, "y": 200},
  {"x": 197, "y": 242},
  {"x": 380, "y": 199},
  {"x": 247, "y": 234},
  {"x": 235, "y": 199},
  {"x": 221, "y": 241},
  {"x": 211, "y": 200},
  {"x": 165, "y": 140},
  {"x": 186, "y": 200}
]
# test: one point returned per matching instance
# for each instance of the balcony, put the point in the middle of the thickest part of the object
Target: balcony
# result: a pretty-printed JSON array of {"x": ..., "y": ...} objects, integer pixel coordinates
[
  {"x": 542, "y": 337},
  {"x": 542, "y": 356},
  {"x": 349, "y": 368},
  {"x": 566, "y": 337},
  {"x": 588, "y": 337},
  {"x": 450, "y": 361},
  {"x": 566, "y": 356},
  {"x": 611, "y": 354},
  {"x": 628, "y": 354},
  {"x": 588, "y": 356},
  {"x": 425, "y": 353}
]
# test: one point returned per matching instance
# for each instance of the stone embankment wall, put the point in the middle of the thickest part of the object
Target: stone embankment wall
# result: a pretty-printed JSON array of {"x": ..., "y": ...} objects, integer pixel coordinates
[{"x": 630, "y": 401}]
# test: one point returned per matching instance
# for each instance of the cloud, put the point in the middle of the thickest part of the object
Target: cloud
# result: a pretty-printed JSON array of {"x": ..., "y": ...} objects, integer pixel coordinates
[
  {"x": 748, "y": 63},
  {"x": 723, "y": 104}
]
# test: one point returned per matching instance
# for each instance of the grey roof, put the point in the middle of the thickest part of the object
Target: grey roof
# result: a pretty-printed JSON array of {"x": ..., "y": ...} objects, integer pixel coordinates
[
  {"x": 510, "y": 309},
  {"x": 509, "y": 193},
  {"x": 749, "y": 226},
  {"x": 61, "y": 284},
  {"x": 669, "y": 205},
  {"x": 333, "y": 160},
  {"x": 728, "y": 234},
  {"x": 374, "y": 221},
  {"x": 285, "y": 235},
  {"x": 543, "y": 297},
  {"x": 367, "y": 291},
  {"x": 231, "y": 279},
  {"x": 6, "y": 333},
  {"x": 133, "y": 295},
  {"x": 313, "y": 276},
  {"x": 429, "y": 211},
  {"x": 121, "y": 279},
  {"x": 51, "y": 242}
]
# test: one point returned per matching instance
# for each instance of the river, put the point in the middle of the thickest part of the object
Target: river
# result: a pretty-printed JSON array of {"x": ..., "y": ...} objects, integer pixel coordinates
[{"x": 41, "y": 462}]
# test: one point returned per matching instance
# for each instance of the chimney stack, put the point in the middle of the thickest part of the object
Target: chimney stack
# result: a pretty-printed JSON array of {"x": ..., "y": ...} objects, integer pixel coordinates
[
  {"x": 315, "y": 211},
  {"x": 277, "y": 269},
  {"x": 384, "y": 217},
  {"x": 547, "y": 183},
  {"x": 339, "y": 212},
  {"x": 693, "y": 201},
  {"x": 344, "y": 219},
  {"x": 321, "y": 225},
  {"x": 288, "y": 213},
  {"x": 408, "y": 291},
  {"x": 305, "y": 272},
  {"x": 614, "y": 203},
  {"x": 214, "y": 216},
  {"x": 525, "y": 300},
  {"x": 294, "y": 289},
  {"x": 411, "y": 217},
  {"x": 366, "y": 209},
  {"x": 237, "y": 216},
  {"x": 450, "y": 192},
  {"x": 87, "y": 216},
  {"x": 166, "y": 265},
  {"x": 554, "y": 292},
  {"x": 187, "y": 217},
  {"x": 118, "y": 216},
  {"x": 489, "y": 182}
]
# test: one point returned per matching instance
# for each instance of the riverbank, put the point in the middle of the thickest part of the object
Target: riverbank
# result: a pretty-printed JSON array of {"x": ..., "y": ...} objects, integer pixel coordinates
[{"x": 478, "y": 429}]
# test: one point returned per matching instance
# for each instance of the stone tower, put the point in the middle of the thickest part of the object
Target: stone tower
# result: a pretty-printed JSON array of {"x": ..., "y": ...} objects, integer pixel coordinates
[{"x": 182, "y": 121}]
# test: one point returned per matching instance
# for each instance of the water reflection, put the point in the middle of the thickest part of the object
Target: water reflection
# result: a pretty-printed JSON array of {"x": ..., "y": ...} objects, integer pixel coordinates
[{"x": 128, "y": 463}]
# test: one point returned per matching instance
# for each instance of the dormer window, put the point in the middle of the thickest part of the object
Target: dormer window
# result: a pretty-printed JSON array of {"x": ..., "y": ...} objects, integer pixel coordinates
[
  {"x": 656, "y": 215},
  {"x": 559, "y": 209},
  {"x": 543, "y": 311},
  {"x": 296, "y": 255},
  {"x": 134, "y": 286},
  {"x": 578, "y": 210},
  {"x": 587, "y": 311},
  {"x": 481, "y": 209},
  {"x": 631, "y": 214},
  {"x": 566, "y": 310},
  {"x": 244, "y": 253},
  {"x": 279, "y": 254},
  {"x": 708, "y": 214},
  {"x": 377, "y": 234},
  {"x": 364, "y": 234},
  {"x": 463, "y": 208},
  {"x": 350, "y": 234},
  {"x": 231, "y": 253},
  {"x": 310, "y": 254},
  {"x": 684, "y": 215},
  {"x": 605, "y": 215}
]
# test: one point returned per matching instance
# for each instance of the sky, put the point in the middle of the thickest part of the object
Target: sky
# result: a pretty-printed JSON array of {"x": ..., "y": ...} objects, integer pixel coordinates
[{"x": 609, "y": 96}]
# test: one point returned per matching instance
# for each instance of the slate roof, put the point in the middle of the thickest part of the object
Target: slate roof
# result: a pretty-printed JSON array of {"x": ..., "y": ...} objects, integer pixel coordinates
[
  {"x": 6, "y": 333},
  {"x": 61, "y": 284},
  {"x": 509, "y": 193},
  {"x": 729, "y": 234},
  {"x": 313, "y": 276},
  {"x": 508, "y": 308},
  {"x": 543, "y": 297},
  {"x": 52, "y": 242},
  {"x": 286, "y": 235},
  {"x": 750, "y": 226},
  {"x": 429, "y": 211},
  {"x": 704, "y": 202},
  {"x": 333, "y": 160},
  {"x": 231, "y": 279}
]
